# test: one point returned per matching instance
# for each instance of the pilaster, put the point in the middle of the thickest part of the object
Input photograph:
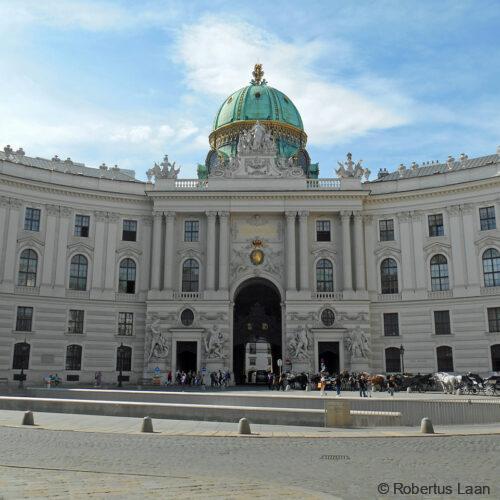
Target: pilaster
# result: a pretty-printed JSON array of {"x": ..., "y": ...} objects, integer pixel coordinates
[
  {"x": 52, "y": 214},
  {"x": 304, "y": 251},
  {"x": 345, "y": 217},
  {"x": 10, "y": 266}
]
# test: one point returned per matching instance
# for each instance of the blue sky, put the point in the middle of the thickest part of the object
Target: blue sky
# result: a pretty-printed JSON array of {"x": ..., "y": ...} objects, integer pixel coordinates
[{"x": 126, "y": 82}]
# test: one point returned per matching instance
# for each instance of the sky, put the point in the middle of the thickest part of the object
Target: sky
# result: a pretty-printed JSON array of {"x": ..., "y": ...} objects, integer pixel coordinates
[{"x": 126, "y": 82}]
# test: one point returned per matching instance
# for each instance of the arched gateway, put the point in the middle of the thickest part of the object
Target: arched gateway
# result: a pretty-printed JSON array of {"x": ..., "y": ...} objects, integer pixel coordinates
[{"x": 257, "y": 330}]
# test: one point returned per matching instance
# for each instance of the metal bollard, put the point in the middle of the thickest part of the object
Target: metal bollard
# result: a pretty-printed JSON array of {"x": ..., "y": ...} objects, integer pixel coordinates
[
  {"x": 147, "y": 425},
  {"x": 28, "y": 418},
  {"x": 426, "y": 426},
  {"x": 308, "y": 387},
  {"x": 244, "y": 426}
]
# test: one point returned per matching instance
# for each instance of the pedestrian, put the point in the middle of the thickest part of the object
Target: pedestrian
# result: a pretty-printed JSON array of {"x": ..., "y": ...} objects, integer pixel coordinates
[
  {"x": 98, "y": 378},
  {"x": 338, "y": 384},
  {"x": 270, "y": 380},
  {"x": 391, "y": 385},
  {"x": 323, "y": 384},
  {"x": 362, "y": 386},
  {"x": 169, "y": 377}
]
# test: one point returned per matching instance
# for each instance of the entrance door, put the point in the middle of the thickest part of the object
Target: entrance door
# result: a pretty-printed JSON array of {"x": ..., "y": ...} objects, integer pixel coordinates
[
  {"x": 187, "y": 356},
  {"x": 328, "y": 355},
  {"x": 257, "y": 331}
]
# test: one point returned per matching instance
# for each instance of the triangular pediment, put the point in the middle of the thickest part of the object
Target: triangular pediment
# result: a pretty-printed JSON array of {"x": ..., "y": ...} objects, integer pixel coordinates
[
  {"x": 437, "y": 247},
  {"x": 30, "y": 241},
  {"x": 387, "y": 250},
  {"x": 486, "y": 241}
]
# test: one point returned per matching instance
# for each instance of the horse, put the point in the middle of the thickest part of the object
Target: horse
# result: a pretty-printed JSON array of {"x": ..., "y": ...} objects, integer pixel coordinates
[
  {"x": 297, "y": 381},
  {"x": 377, "y": 381},
  {"x": 449, "y": 382}
]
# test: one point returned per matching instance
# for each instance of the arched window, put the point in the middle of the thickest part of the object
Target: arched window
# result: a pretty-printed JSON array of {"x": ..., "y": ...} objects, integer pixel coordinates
[
  {"x": 389, "y": 276},
  {"x": 439, "y": 273},
  {"x": 392, "y": 360},
  {"x": 491, "y": 267},
  {"x": 21, "y": 356},
  {"x": 126, "y": 283},
  {"x": 324, "y": 276},
  {"x": 124, "y": 358},
  {"x": 444, "y": 358},
  {"x": 78, "y": 270},
  {"x": 74, "y": 357},
  {"x": 495, "y": 357},
  {"x": 28, "y": 265},
  {"x": 190, "y": 275}
]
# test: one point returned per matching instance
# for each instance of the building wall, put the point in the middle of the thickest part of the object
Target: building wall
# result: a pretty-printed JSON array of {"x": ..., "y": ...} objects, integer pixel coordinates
[{"x": 229, "y": 223}]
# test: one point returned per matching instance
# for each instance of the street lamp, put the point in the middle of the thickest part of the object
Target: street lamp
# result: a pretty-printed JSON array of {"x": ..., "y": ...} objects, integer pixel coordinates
[
  {"x": 24, "y": 351},
  {"x": 402, "y": 354},
  {"x": 120, "y": 364}
]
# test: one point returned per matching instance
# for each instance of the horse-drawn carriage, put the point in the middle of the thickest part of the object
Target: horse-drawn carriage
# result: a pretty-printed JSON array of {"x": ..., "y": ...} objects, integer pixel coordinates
[{"x": 475, "y": 384}]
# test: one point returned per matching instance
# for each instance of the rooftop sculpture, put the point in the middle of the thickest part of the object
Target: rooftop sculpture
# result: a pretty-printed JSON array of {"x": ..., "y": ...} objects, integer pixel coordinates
[{"x": 165, "y": 170}]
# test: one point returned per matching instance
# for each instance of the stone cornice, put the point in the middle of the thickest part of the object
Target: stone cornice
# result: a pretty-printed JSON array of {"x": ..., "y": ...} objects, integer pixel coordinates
[
  {"x": 75, "y": 192},
  {"x": 420, "y": 193}
]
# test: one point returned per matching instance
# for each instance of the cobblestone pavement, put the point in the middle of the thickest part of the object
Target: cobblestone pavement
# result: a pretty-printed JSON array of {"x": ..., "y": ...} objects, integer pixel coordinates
[{"x": 39, "y": 463}]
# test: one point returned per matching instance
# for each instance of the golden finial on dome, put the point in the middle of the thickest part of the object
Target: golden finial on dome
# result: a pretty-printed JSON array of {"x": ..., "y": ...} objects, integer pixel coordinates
[{"x": 257, "y": 73}]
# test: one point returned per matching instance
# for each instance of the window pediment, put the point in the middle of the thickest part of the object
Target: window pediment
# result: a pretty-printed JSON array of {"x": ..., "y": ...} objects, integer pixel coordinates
[
  {"x": 128, "y": 250},
  {"x": 387, "y": 251},
  {"x": 485, "y": 242},
  {"x": 80, "y": 247},
  {"x": 437, "y": 247}
]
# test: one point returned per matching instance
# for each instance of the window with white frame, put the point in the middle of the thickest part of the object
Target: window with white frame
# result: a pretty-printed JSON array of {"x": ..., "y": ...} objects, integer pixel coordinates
[
  {"x": 386, "y": 229},
  {"x": 125, "y": 323},
  {"x": 487, "y": 218},
  {"x": 32, "y": 219},
  {"x": 75, "y": 321},
  {"x": 436, "y": 225},
  {"x": 442, "y": 325},
  {"x": 323, "y": 230}
]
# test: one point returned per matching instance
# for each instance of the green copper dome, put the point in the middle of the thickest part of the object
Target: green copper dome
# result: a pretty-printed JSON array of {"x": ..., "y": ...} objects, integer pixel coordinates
[{"x": 258, "y": 102}]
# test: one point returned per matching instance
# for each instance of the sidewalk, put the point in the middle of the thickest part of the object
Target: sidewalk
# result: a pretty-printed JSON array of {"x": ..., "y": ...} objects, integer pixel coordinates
[{"x": 164, "y": 427}]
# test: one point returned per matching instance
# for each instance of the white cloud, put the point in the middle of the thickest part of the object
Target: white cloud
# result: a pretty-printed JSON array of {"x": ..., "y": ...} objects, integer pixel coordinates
[{"x": 219, "y": 55}]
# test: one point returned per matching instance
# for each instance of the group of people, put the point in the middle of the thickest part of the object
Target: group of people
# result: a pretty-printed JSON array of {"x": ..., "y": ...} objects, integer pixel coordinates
[
  {"x": 355, "y": 382},
  {"x": 276, "y": 381}
]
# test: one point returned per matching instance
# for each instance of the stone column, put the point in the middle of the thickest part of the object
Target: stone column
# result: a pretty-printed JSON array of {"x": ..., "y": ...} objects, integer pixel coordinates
[
  {"x": 304, "y": 251},
  {"x": 418, "y": 251},
  {"x": 10, "y": 265},
  {"x": 211, "y": 216},
  {"x": 472, "y": 259},
  {"x": 457, "y": 250},
  {"x": 62, "y": 248},
  {"x": 100, "y": 219},
  {"x": 290, "y": 251},
  {"x": 407, "y": 257},
  {"x": 346, "y": 249},
  {"x": 168, "y": 282},
  {"x": 370, "y": 239},
  {"x": 156, "y": 251},
  {"x": 223, "y": 250},
  {"x": 360, "y": 252},
  {"x": 4, "y": 211},
  {"x": 52, "y": 212},
  {"x": 109, "y": 281},
  {"x": 145, "y": 241}
]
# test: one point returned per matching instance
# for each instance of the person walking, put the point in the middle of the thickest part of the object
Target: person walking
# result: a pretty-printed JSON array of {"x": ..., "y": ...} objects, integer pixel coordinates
[
  {"x": 391, "y": 384},
  {"x": 338, "y": 384},
  {"x": 270, "y": 380},
  {"x": 362, "y": 387}
]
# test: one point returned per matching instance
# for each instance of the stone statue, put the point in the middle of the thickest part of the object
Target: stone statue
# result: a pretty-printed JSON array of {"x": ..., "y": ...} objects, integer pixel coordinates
[
  {"x": 298, "y": 346},
  {"x": 357, "y": 343},
  {"x": 156, "y": 342},
  {"x": 214, "y": 344},
  {"x": 257, "y": 140},
  {"x": 350, "y": 169},
  {"x": 165, "y": 170}
]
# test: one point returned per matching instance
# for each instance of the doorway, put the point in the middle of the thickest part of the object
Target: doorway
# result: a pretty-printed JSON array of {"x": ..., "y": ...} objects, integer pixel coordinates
[
  {"x": 328, "y": 356},
  {"x": 257, "y": 331},
  {"x": 187, "y": 356}
]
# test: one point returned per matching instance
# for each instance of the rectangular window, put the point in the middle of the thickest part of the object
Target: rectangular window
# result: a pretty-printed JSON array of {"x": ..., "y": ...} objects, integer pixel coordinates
[
  {"x": 75, "y": 322},
  {"x": 494, "y": 319},
  {"x": 323, "y": 230},
  {"x": 487, "y": 218},
  {"x": 24, "y": 319},
  {"x": 82, "y": 224},
  {"x": 442, "y": 322},
  {"x": 391, "y": 324},
  {"x": 252, "y": 348},
  {"x": 125, "y": 323},
  {"x": 436, "y": 227},
  {"x": 386, "y": 227},
  {"x": 251, "y": 361},
  {"x": 191, "y": 230},
  {"x": 129, "y": 230},
  {"x": 32, "y": 219}
]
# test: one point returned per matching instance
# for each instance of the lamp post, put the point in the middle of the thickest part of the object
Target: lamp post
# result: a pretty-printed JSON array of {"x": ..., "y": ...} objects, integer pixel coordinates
[
  {"x": 402, "y": 354},
  {"x": 120, "y": 364},
  {"x": 24, "y": 350}
]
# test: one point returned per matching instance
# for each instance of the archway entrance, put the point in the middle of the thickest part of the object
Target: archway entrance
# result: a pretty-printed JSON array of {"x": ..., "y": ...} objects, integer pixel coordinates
[
  {"x": 257, "y": 331},
  {"x": 186, "y": 356}
]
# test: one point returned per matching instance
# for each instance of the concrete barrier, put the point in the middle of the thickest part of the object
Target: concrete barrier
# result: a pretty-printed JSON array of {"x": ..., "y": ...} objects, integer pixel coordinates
[{"x": 217, "y": 413}]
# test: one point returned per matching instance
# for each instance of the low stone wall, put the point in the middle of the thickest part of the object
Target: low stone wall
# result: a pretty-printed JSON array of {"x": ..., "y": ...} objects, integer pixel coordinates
[{"x": 217, "y": 413}]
